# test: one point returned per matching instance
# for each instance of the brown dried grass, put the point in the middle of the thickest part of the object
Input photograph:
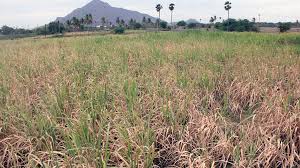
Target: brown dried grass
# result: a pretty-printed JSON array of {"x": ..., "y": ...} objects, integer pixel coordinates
[{"x": 186, "y": 99}]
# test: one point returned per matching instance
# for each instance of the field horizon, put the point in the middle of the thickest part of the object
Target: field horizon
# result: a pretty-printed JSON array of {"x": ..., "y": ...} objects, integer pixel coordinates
[{"x": 153, "y": 99}]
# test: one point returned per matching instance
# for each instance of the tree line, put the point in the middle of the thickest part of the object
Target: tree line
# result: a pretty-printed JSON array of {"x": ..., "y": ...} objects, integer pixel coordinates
[
  {"x": 6, "y": 30},
  {"x": 87, "y": 23},
  {"x": 230, "y": 24}
]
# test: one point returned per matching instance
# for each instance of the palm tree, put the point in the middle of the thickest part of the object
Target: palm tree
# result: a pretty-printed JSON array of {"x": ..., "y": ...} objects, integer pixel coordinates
[
  {"x": 158, "y": 9},
  {"x": 131, "y": 23},
  {"x": 212, "y": 21},
  {"x": 75, "y": 22},
  {"x": 118, "y": 21},
  {"x": 58, "y": 23},
  {"x": 82, "y": 21},
  {"x": 227, "y": 8},
  {"x": 171, "y": 7},
  {"x": 123, "y": 22},
  {"x": 90, "y": 19},
  {"x": 68, "y": 23},
  {"x": 103, "y": 21},
  {"x": 149, "y": 22},
  {"x": 86, "y": 19}
]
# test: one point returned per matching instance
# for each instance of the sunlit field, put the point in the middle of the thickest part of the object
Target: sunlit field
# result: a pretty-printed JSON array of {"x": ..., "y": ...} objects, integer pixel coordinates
[{"x": 169, "y": 99}]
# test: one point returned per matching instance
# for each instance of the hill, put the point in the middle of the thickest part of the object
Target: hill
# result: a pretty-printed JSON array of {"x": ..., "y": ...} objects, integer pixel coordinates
[
  {"x": 100, "y": 9},
  {"x": 192, "y": 21}
]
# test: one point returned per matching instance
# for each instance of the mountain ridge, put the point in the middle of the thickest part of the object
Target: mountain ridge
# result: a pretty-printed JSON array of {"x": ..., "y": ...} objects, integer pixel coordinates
[{"x": 100, "y": 9}]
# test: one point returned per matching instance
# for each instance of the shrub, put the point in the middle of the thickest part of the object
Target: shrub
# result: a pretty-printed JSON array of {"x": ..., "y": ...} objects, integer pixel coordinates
[
  {"x": 236, "y": 25},
  {"x": 192, "y": 25},
  {"x": 55, "y": 27},
  {"x": 181, "y": 23},
  {"x": 119, "y": 30},
  {"x": 6, "y": 30},
  {"x": 163, "y": 25},
  {"x": 284, "y": 27},
  {"x": 137, "y": 26}
]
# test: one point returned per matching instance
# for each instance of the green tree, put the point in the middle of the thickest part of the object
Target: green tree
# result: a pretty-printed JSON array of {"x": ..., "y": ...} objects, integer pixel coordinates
[{"x": 284, "y": 27}]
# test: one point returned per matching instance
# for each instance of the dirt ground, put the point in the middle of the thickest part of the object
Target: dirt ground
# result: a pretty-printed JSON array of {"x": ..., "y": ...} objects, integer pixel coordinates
[{"x": 276, "y": 30}]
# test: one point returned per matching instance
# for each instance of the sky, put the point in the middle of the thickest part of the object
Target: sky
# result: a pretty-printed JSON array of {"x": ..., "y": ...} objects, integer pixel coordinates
[{"x": 32, "y": 13}]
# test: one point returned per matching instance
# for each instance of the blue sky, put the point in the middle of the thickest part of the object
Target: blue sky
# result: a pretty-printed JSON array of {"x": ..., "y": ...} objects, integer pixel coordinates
[{"x": 30, "y": 13}]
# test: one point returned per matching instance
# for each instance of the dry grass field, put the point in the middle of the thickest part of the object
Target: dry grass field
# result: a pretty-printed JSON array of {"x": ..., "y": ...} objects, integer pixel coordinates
[{"x": 170, "y": 99}]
